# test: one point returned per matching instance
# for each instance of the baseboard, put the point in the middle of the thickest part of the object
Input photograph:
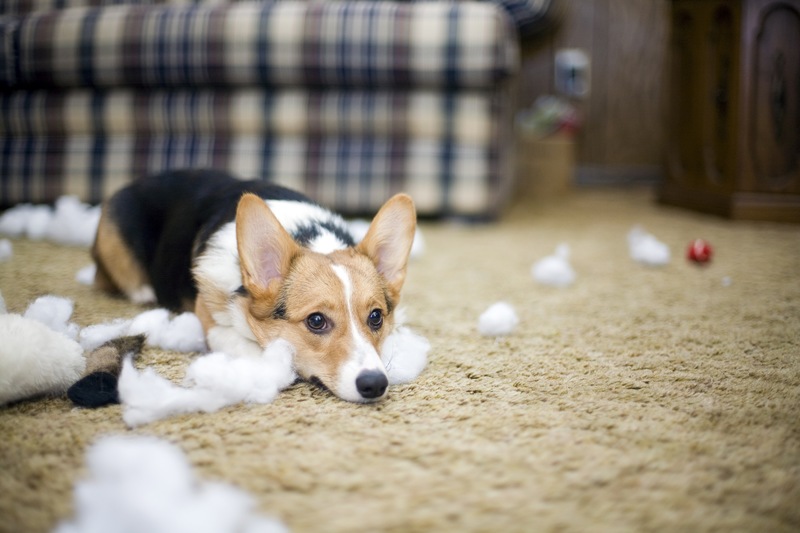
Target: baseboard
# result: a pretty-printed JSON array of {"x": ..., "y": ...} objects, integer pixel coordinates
[
  {"x": 737, "y": 205},
  {"x": 597, "y": 175}
]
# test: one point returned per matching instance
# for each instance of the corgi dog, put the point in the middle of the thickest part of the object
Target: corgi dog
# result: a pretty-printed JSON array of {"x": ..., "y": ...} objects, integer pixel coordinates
[{"x": 257, "y": 262}]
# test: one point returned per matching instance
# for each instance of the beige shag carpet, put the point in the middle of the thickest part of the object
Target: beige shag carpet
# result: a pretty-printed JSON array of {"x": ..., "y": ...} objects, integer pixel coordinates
[{"x": 639, "y": 399}]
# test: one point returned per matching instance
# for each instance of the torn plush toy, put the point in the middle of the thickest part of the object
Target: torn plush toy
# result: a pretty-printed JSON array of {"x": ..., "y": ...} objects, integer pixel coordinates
[
  {"x": 98, "y": 386},
  {"x": 35, "y": 360}
]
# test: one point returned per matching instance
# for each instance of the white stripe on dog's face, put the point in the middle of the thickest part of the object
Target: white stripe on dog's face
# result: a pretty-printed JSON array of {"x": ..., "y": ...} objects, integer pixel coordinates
[{"x": 363, "y": 357}]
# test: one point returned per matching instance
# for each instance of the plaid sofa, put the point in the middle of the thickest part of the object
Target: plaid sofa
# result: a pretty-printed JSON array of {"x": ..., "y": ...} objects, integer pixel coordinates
[{"x": 349, "y": 101}]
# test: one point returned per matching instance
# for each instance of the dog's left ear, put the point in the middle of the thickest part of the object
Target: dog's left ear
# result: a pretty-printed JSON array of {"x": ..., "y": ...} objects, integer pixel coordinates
[{"x": 389, "y": 239}]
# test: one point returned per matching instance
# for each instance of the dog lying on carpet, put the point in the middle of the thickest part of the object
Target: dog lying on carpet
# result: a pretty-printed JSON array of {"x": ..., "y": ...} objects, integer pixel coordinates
[{"x": 257, "y": 262}]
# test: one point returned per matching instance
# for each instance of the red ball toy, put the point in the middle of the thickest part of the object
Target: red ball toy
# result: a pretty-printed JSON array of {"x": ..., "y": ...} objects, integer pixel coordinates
[{"x": 699, "y": 251}]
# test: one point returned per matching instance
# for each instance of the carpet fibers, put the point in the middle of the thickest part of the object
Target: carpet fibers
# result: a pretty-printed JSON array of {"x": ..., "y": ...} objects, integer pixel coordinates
[{"x": 638, "y": 399}]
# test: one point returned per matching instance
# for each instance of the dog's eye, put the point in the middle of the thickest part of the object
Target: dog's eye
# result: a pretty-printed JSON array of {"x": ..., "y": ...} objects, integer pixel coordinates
[
  {"x": 317, "y": 323},
  {"x": 375, "y": 319}
]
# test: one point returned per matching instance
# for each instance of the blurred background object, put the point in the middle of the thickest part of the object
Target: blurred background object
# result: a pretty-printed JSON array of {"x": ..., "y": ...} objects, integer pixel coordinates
[{"x": 348, "y": 101}]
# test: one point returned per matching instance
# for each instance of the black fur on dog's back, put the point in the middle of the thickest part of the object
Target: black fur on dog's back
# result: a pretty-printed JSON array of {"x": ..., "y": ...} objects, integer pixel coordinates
[{"x": 166, "y": 219}]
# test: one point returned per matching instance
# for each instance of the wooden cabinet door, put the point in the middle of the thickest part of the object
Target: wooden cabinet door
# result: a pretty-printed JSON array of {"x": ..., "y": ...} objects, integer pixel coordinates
[{"x": 772, "y": 102}]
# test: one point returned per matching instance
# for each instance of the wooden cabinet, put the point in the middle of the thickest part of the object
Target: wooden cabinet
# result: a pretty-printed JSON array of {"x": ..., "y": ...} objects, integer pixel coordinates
[{"x": 733, "y": 119}]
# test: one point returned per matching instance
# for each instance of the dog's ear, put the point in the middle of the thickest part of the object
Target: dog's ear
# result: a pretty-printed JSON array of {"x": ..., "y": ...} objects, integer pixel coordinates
[
  {"x": 265, "y": 248},
  {"x": 389, "y": 239}
]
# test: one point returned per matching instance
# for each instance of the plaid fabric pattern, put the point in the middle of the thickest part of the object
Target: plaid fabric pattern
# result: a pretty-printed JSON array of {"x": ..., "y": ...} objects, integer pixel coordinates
[
  {"x": 527, "y": 15},
  {"x": 346, "y": 149},
  {"x": 431, "y": 44},
  {"x": 348, "y": 101},
  {"x": 20, "y": 7},
  {"x": 466, "y": 116}
]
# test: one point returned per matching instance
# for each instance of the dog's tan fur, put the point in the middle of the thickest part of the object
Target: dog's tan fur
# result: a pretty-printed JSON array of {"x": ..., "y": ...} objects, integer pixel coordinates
[{"x": 117, "y": 268}]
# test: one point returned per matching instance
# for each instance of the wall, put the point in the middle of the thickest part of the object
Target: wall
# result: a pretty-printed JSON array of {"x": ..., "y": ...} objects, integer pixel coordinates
[{"x": 623, "y": 134}]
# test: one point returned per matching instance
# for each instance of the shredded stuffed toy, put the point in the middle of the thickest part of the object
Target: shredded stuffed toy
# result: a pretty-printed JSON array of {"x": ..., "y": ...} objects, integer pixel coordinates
[{"x": 35, "y": 360}]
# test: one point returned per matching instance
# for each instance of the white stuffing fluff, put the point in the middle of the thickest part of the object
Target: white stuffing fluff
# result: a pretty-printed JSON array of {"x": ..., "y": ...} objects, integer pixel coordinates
[
  {"x": 359, "y": 227},
  {"x": 73, "y": 222},
  {"x": 54, "y": 312},
  {"x": 26, "y": 220},
  {"x": 404, "y": 354},
  {"x": 94, "y": 336},
  {"x": 555, "y": 270},
  {"x": 85, "y": 276},
  {"x": 184, "y": 333},
  {"x": 245, "y": 379},
  {"x": 6, "y": 250},
  {"x": 138, "y": 484},
  {"x": 646, "y": 249},
  {"x": 146, "y": 397},
  {"x": 68, "y": 222},
  {"x": 35, "y": 360},
  {"x": 12, "y": 221},
  {"x": 498, "y": 320},
  {"x": 212, "y": 381}
]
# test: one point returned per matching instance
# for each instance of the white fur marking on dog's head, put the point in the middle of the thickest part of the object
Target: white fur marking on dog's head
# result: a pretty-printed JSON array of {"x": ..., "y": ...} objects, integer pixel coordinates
[
  {"x": 295, "y": 216},
  {"x": 362, "y": 357}
]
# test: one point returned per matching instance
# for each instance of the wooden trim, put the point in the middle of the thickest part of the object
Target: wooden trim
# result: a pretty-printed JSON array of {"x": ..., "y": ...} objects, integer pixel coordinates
[{"x": 736, "y": 205}]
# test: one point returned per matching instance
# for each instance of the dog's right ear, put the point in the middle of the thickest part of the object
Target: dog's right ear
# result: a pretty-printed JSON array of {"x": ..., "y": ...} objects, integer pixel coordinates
[
  {"x": 388, "y": 241},
  {"x": 265, "y": 248}
]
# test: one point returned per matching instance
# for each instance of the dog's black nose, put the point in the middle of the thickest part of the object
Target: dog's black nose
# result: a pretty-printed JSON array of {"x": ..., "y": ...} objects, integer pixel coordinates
[{"x": 371, "y": 384}]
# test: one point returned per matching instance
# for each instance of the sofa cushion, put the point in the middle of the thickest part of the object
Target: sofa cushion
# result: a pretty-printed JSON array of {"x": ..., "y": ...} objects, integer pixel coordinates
[
  {"x": 349, "y": 149},
  {"x": 278, "y": 44},
  {"x": 529, "y": 16},
  {"x": 465, "y": 116}
]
